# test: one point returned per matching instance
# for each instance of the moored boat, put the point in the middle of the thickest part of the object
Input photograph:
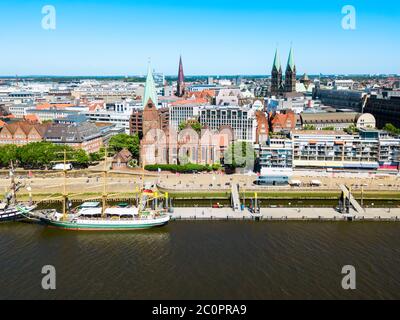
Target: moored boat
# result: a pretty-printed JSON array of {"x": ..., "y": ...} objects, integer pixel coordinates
[
  {"x": 89, "y": 217},
  {"x": 10, "y": 209},
  {"x": 13, "y": 213},
  {"x": 93, "y": 216}
]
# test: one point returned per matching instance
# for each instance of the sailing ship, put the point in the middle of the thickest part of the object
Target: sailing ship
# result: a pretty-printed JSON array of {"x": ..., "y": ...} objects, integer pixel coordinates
[
  {"x": 10, "y": 209},
  {"x": 96, "y": 216}
]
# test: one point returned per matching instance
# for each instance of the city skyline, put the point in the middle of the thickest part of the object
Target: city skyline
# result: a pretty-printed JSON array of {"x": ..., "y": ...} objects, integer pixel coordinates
[{"x": 102, "y": 38}]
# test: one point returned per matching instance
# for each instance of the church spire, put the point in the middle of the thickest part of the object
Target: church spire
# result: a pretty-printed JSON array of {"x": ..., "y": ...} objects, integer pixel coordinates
[
  {"x": 291, "y": 65},
  {"x": 276, "y": 75},
  {"x": 150, "y": 91},
  {"x": 277, "y": 61},
  {"x": 290, "y": 76},
  {"x": 181, "y": 80}
]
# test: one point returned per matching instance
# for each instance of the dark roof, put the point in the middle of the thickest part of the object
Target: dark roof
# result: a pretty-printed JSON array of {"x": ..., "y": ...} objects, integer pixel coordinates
[{"x": 75, "y": 133}]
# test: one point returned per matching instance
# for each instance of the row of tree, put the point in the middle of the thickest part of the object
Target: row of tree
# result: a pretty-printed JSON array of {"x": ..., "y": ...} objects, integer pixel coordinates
[{"x": 42, "y": 155}]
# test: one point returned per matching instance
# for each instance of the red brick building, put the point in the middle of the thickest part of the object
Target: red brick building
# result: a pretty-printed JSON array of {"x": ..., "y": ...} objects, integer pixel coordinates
[{"x": 21, "y": 133}]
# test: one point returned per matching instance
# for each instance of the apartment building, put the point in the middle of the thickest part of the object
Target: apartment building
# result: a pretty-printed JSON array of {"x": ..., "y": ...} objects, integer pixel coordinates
[
  {"x": 370, "y": 149},
  {"x": 335, "y": 149},
  {"x": 276, "y": 156},
  {"x": 389, "y": 151}
]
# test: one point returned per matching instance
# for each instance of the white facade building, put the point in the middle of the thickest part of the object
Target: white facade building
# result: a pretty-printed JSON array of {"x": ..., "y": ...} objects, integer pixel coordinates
[
  {"x": 19, "y": 110},
  {"x": 182, "y": 113},
  {"x": 242, "y": 120}
]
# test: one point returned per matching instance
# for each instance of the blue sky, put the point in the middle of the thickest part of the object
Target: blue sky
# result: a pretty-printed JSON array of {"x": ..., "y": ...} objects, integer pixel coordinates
[{"x": 116, "y": 37}]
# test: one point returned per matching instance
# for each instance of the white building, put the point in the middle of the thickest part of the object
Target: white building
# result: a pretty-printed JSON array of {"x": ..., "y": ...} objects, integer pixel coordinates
[
  {"x": 343, "y": 84},
  {"x": 117, "y": 113},
  {"x": 19, "y": 110},
  {"x": 242, "y": 120},
  {"x": 182, "y": 113},
  {"x": 51, "y": 114}
]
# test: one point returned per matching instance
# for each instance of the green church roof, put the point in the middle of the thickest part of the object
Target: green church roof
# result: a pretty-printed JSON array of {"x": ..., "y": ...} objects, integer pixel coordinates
[
  {"x": 290, "y": 64},
  {"x": 277, "y": 61},
  {"x": 150, "y": 88}
]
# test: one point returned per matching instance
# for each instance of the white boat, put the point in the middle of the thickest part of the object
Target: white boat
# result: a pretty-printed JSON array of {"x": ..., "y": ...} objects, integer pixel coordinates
[
  {"x": 89, "y": 217},
  {"x": 93, "y": 216}
]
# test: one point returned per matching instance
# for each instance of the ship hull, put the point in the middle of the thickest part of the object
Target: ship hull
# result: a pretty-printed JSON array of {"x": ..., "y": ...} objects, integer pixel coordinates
[
  {"x": 105, "y": 226},
  {"x": 11, "y": 216},
  {"x": 14, "y": 214}
]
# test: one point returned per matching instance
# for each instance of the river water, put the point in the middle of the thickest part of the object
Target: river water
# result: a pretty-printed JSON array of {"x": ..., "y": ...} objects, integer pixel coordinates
[{"x": 203, "y": 260}]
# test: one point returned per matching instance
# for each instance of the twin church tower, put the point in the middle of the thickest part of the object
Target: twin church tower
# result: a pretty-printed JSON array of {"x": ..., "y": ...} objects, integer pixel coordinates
[{"x": 278, "y": 85}]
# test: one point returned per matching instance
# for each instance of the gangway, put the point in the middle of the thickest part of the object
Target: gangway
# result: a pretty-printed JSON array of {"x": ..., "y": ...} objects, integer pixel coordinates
[
  {"x": 235, "y": 197},
  {"x": 348, "y": 196}
]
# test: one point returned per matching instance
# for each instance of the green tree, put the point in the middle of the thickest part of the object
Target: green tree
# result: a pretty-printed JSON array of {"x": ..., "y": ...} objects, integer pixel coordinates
[
  {"x": 351, "y": 129},
  {"x": 125, "y": 141},
  {"x": 391, "y": 129},
  {"x": 240, "y": 155},
  {"x": 96, "y": 157},
  {"x": 8, "y": 153},
  {"x": 40, "y": 154},
  {"x": 81, "y": 158},
  {"x": 309, "y": 127},
  {"x": 329, "y": 129},
  {"x": 195, "y": 125}
]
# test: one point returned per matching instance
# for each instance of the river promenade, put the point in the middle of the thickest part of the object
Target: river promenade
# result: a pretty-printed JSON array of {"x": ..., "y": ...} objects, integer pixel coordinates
[
  {"x": 90, "y": 182},
  {"x": 285, "y": 214}
]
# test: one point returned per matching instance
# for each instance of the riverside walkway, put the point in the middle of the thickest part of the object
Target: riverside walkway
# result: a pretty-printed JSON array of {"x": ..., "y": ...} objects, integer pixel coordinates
[{"x": 285, "y": 214}]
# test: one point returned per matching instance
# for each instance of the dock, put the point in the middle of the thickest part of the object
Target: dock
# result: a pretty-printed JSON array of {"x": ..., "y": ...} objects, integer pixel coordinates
[{"x": 284, "y": 214}]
